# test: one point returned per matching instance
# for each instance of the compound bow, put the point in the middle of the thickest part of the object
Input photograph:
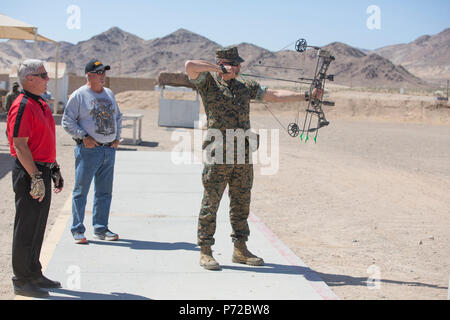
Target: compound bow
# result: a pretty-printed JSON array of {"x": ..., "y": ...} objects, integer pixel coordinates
[{"x": 324, "y": 59}]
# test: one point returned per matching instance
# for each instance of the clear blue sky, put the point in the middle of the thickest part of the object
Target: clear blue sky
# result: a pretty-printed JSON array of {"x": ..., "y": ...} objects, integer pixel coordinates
[{"x": 269, "y": 24}]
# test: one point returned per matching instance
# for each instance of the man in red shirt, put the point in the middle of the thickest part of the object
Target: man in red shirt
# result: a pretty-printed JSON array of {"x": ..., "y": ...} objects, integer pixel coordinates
[{"x": 31, "y": 136}]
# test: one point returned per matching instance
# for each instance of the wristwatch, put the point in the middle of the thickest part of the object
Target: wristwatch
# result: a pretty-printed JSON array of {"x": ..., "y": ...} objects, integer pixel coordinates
[{"x": 37, "y": 175}]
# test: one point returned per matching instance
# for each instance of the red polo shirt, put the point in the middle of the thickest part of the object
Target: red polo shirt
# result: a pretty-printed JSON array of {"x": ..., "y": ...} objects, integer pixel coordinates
[{"x": 31, "y": 117}]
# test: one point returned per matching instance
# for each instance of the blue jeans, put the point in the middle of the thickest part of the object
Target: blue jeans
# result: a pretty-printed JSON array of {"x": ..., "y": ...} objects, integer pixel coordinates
[{"x": 97, "y": 164}]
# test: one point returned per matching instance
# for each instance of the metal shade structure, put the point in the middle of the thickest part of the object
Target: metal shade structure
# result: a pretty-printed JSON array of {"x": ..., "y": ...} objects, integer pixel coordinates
[{"x": 18, "y": 30}]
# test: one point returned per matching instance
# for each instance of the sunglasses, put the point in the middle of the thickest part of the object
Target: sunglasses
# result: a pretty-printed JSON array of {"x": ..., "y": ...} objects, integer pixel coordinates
[
  {"x": 100, "y": 72},
  {"x": 43, "y": 75},
  {"x": 233, "y": 64}
]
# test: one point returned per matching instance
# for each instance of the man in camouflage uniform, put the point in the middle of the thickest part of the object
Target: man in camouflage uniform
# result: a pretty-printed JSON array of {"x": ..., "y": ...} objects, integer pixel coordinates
[
  {"x": 226, "y": 100},
  {"x": 12, "y": 95}
]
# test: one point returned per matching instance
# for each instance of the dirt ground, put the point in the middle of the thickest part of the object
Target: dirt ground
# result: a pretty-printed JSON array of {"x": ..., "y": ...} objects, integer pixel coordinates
[{"x": 368, "y": 204}]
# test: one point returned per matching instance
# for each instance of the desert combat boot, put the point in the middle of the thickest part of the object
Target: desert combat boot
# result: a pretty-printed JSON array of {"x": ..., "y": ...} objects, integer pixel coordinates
[
  {"x": 242, "y": 255},
  {"x": 207, "y": 260}
]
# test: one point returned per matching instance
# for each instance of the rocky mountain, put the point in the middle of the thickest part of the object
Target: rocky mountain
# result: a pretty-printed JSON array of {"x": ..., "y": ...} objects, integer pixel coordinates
[
  {"x": 427, "y": 57},
  {"x": 130, "y": 55},
  {"x": 127, "y": 54},
  {"x": 352, "y": 67},
  {"x": 171, "y": 52}
]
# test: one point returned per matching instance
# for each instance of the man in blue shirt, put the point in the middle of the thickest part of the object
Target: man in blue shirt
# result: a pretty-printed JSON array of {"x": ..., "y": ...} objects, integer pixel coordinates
[{"x": 93, "y": 119}]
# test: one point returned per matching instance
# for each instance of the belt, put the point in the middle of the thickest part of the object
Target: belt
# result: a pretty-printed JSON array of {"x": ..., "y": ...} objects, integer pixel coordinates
[
  {"x": 108, "y": 144},
  {"x": 45, "y": 164}
]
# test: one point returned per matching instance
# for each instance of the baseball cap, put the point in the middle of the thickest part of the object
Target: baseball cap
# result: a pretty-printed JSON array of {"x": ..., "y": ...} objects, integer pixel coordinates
[{"x": 95, "y": 65}]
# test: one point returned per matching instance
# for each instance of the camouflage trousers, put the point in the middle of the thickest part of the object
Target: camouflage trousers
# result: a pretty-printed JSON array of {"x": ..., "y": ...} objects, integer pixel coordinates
[{"x": 215, "y": 177}]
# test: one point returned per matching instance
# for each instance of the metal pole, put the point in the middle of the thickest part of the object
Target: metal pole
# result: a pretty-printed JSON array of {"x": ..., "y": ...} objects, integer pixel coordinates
[
  {"x": 447, "y": 89},
  {"x": 35, "y": 43},
  {"x": 55, "y": 103}
]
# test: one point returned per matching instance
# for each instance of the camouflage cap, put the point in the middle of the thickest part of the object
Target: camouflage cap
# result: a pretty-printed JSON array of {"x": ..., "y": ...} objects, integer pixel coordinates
[{"x": 229, "y": 53}]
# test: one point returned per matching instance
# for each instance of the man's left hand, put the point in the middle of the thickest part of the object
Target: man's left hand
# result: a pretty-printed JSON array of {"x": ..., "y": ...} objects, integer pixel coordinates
[
  {"x": 317, "y": 93},
  {"x": 115, "y": 144}
]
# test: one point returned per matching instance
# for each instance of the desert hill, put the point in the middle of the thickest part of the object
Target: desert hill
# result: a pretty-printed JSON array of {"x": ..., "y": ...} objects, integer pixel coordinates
[
  {"x": 428, "y": 57},
  {"x": 352, "y": 67},
  {"x": 130, "y": 55}
]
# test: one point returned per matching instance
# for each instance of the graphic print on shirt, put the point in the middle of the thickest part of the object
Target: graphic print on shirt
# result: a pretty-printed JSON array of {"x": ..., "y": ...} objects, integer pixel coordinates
[{"x": 103, "y": 114}]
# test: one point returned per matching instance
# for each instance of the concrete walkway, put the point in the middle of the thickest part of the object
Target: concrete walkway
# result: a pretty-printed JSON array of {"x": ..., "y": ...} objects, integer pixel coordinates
[{"x": 154, "y": 210}]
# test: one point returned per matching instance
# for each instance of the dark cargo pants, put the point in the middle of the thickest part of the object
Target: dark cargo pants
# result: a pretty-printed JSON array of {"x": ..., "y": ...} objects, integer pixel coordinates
[{"x": 29, "y": 224}]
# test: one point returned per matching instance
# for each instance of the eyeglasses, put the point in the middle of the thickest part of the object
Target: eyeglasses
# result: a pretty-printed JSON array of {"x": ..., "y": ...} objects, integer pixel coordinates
[
  {"x": 43, "y": 75},
  {"x": 100, "y": 72}
]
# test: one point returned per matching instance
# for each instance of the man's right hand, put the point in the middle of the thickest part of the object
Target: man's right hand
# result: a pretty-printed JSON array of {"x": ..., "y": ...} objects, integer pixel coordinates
[
  {"x": 89, "y": 142},
  {"x": 226, "y": 68},
  {"x": 37, "y": 188}
]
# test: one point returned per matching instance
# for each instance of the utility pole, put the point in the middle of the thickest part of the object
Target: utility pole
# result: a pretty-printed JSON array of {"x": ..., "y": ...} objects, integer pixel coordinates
[{"x": 447, "y": 88}]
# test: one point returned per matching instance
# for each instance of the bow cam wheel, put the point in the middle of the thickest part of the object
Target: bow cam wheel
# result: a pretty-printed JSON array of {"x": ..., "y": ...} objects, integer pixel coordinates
[
  {"x": 301, "y": 45},
  {"x": 293, "y": 129}
]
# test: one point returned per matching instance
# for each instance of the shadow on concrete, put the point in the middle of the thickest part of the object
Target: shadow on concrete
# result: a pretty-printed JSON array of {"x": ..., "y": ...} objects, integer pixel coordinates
[
  {"x": 330, "y": 279},
  {"x": 128, "y": 146},
  {"x": 81, "y": 295},
  {"x": 148, "y": 245},
  {"x": 6, "y": 163},
  {"x": 149, "y": 144},
  {"x": 334, "y": 280},
  {"x": 307, "y": 273}
]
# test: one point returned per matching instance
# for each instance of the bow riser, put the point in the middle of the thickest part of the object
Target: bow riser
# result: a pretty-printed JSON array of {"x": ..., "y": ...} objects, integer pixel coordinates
[{"x": 315, "y": 104}]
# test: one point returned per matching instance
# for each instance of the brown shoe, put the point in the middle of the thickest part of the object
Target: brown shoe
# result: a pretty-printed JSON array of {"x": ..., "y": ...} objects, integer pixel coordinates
[
  {"x": 207, "y": 260},
  {"x": 242, "y": 255}
]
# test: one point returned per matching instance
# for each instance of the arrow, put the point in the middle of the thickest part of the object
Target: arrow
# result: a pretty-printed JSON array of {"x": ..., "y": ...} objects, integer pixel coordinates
[
  {"x": 270, "y": 78},
  {"x": 276, "y": 67}
]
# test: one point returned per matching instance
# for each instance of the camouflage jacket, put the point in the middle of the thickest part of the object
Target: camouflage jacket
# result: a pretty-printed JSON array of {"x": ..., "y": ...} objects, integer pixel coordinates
[
  {"x": 227, "y": 106},
  {"x": 227, "y": 103}
]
